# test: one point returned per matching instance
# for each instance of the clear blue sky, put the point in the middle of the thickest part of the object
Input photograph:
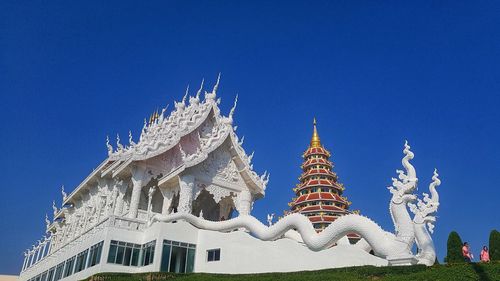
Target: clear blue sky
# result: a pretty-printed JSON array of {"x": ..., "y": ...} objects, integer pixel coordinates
[{"x": 373, "y": 73}]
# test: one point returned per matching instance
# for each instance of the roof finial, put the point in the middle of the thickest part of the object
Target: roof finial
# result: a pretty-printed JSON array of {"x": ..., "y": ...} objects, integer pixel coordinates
[
  {"x": 216, "y": 86},
  {"x": 64, "y": 194},
  {"x": 231, "y": 113},
  {"x": 186, "y": 94},
  {"x": 108, "y": 145},
  {"x": 201, "y": 88},
  {"x": 118, "y": 144},
  {"x": 130, "y": 139},
  {"x": 315, "y": 137}
]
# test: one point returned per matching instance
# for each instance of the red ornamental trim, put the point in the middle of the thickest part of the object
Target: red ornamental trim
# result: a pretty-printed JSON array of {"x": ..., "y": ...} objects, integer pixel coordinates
[
  {"x": 326, "y": 208},
  {"x": 320, "y": 195}
]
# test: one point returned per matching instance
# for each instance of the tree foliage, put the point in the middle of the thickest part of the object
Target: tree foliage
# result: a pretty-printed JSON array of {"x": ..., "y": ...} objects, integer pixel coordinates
[
  {"x": 454, "y": 248},
  {"x": 495, "y": 245}
]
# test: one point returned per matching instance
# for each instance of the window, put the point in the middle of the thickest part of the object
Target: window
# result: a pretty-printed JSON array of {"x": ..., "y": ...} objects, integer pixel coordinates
[
  {"x": 95, "y": 254},
  {"x": 128, "y": 253},
  {"x": 44, "y": 276},
  {"x": 68, "y": 270},
  {"x": 213, "y": 255},
  {"x": 80, "y": 261},
  {"x": 51, "y": 274},
  {"x": 148, "y": 253},
  {"x": 177, "y": 257},
  {"x": 59, "y": 271}
]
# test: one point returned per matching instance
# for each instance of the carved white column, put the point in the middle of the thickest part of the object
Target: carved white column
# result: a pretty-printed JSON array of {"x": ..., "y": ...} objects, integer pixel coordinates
[
  {"x": 168, "y": 196},
  {"x": 138, "y": 178},
  {"x": 244, "y": 202},
  {"x": 122, "y": 190},
  {"x": 186, "y": 185},
  {"x": 150, "y": 200}
]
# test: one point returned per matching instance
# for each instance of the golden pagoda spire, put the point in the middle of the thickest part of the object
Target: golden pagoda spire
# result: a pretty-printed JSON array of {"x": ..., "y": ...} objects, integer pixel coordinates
[{"x": 315, "y": 137}]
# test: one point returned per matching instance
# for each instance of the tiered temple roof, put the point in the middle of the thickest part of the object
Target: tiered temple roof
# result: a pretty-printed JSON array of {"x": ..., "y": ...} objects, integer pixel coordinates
[{"x": 319, "y": 194}]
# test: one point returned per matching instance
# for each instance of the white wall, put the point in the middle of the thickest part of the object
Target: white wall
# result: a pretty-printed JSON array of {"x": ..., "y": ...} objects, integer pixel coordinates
[{"x": 240, "y": 252}]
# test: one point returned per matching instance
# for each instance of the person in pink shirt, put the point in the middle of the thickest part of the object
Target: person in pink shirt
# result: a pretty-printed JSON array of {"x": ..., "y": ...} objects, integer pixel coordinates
[
  {"x": 485, "y": 255},
  {"x": 466, "y": 252}
]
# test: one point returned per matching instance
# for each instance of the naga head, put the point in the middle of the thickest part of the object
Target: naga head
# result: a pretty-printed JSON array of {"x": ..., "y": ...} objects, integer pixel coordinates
[
  {"x": 402, "y": 187},
  {"x": 425, "y": 209}
]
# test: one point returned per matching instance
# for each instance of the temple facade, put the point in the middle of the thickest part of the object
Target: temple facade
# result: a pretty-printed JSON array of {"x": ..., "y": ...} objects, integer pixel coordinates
[
  {"x": 179, "y": 199},
  {"x": 318, "y": 193}
]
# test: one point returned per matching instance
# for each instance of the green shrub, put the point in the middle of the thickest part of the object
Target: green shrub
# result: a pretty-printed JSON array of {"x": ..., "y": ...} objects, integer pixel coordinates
[
  {"x": 495, "y": 245},
  {"x": 454, "y": 248},
  {"x": 450, "y": 272}
]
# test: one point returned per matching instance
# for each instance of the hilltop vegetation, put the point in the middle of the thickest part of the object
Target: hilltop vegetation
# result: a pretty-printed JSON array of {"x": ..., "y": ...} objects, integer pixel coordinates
[{"x": 455, "y": 272}]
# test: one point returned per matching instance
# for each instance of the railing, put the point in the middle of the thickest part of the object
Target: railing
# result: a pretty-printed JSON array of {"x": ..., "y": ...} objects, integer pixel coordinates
[
  {"x": 120, "y": 222},
  {"x": 127, "y": 223}
]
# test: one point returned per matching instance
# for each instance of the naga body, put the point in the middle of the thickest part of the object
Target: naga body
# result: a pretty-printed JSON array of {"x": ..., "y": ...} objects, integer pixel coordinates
[{"x": 384, "y": 244}]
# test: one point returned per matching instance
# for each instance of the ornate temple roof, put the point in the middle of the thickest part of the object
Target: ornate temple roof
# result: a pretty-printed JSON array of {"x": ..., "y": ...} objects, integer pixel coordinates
[{"x": 162, "y": 135}]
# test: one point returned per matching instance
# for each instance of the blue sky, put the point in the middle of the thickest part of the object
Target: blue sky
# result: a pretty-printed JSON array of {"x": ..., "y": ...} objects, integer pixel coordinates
[{"x": 374, "y": 73}]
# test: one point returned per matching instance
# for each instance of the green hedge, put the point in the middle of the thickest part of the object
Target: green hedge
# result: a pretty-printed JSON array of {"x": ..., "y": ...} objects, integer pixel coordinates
[{"x": 454, "y": 272}]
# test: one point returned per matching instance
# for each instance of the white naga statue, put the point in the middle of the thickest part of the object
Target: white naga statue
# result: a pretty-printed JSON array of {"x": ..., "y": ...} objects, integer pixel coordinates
[{"x": 393, "y": 247}]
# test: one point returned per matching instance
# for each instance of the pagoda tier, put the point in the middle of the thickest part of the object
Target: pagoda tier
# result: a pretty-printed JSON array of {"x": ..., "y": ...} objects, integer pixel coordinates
[{"x": 318, "y": 193}]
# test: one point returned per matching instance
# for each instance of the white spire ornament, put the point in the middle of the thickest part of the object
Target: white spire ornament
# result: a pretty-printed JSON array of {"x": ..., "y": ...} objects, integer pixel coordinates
[
  {"x": 118, "y": 144},
  {"x": 213, "y": 94},
  {"x": 54, "y": 208},
  {"x": 108, "y": 145},
  {"x": 47, "y": 222},
  {"x": 130, "y": 139},
  {"x": 64, "y": 194}
]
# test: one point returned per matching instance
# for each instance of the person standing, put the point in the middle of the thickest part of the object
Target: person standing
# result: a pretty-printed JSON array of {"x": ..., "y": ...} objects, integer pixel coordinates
[
  {"x": 485, "y": 255},
  {"x": 466, "y": 252}
]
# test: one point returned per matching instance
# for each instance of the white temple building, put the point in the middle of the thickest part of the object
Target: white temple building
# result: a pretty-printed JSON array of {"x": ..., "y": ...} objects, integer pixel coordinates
[{"x": 180, "y": 200}]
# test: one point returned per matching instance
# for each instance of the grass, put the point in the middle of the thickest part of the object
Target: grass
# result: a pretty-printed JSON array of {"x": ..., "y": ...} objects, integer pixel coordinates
[{"x": 454, "y": 272}]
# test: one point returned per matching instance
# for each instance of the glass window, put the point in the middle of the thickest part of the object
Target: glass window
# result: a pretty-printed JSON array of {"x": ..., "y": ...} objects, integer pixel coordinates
[
  {"x": 119, "y": 254},
  {"x": 127, "y": 256},
  {"x": 112, "y": 253},
  {"x": 135, "y": 257},
  {"x": 44, "y": 276},
  {"x": 59, "y": 271},
  {"x": 95, "y": 254},
  {"x": 190, "y": 260},
  {"x": 148, "y": 252},
  {"x": 81, "y": 260},
  {"x": 50, "y": 275},
  {"x": 131, "y": 254},
  {"x": 213, "y": 255},
  {"x": 68, "y": 270},
  {"x": 165, "y": 257},
  {"x": 177, "y": 257}
]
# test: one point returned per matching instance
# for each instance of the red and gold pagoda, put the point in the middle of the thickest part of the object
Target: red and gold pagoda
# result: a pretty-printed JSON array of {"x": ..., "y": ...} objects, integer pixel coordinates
[{"x": 319, "y": 194}]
